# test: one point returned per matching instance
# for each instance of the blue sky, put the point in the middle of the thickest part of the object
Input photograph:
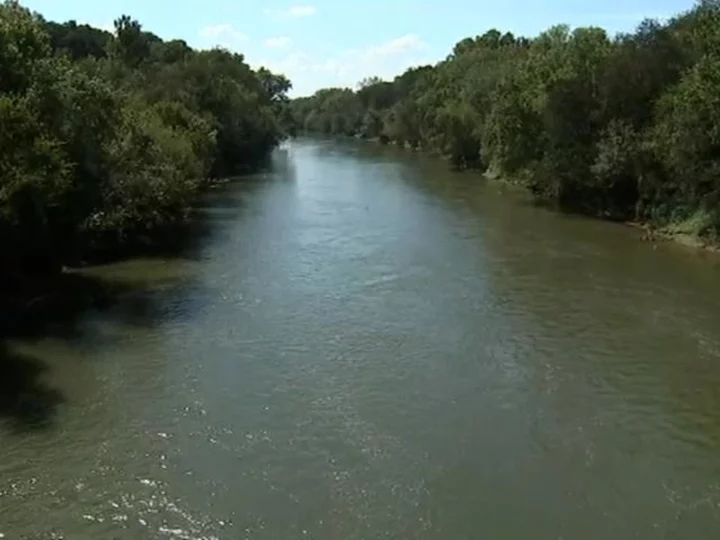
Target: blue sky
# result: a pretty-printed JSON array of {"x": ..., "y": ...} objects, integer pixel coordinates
[{"x": 319, "y": 43}]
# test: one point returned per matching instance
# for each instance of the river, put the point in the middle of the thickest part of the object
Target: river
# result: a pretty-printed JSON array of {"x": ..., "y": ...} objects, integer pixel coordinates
[{"x": 363, "y": 345}]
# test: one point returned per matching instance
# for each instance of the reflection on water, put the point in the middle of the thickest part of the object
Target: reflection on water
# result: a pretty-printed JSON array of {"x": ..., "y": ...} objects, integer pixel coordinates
[{"x": 357, "y": 343}]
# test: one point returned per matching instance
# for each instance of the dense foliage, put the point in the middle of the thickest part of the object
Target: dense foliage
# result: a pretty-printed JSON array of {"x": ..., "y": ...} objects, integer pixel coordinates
[
  {"x": 106, "y": 137},
  {"x": 626, "y": 127}
]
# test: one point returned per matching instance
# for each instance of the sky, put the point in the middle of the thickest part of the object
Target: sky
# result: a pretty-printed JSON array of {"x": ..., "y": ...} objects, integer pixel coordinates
[{"x": 322, "y": 43}]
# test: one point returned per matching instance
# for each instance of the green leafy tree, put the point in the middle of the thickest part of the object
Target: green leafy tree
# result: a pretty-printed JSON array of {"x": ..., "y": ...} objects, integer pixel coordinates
[
  {"x": 131, "y": 45},
  {"x": 100, "y": 152}
]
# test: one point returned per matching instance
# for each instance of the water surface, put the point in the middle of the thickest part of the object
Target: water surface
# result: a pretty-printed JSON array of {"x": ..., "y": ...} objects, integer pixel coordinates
[{"x": 364, "y": 345}]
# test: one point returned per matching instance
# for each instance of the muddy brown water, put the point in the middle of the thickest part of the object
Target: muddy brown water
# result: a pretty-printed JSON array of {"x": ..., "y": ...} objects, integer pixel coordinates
[{"x": 364, "y": 345}]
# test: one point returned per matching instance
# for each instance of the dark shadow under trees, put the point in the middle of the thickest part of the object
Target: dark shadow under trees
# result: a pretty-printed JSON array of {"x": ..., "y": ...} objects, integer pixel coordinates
[
  {"x": 26, "y": 401},
  {"x": 37, "y": 306}
]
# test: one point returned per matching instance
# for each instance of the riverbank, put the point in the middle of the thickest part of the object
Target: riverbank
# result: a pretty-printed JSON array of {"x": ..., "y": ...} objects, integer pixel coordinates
[
  {"x": 33, "y": 297},
  {"x": 681, "y": 232},
  {"x": 673, "y": 233}
]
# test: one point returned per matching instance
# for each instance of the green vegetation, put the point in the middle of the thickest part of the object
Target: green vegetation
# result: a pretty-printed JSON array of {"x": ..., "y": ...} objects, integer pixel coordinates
[
  {"x": 105, "y": 138},
  {"x": 626, "y": 127}
]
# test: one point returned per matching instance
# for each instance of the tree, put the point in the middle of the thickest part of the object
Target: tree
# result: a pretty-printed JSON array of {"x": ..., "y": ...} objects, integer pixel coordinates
[
  {"x": 101, "y": 152},
  {"x": 79, "y": 41},
  {"x": 131, "y": 45}
]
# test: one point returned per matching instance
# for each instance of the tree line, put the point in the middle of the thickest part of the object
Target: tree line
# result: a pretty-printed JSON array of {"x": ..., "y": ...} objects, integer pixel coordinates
[
  {"x": 106, "y": 137},
  {"x": 624, "y": 127}
]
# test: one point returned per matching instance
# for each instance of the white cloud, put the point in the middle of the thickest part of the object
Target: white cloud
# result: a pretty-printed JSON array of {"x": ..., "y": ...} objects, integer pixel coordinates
[
  {"x": 348, "y": 67},
  {"x": 403, "y": 44},
  {"x": 223, "y": 35},
  {"x": 293, "y": 64},
  {"x": 277, "y": 42},
  {"x": 296, "y": 11},
  {"x": 301, "y": 11}
]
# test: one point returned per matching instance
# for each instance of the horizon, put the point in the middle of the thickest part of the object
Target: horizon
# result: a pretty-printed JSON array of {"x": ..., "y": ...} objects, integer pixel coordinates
[{"x": 307, "y": 43}]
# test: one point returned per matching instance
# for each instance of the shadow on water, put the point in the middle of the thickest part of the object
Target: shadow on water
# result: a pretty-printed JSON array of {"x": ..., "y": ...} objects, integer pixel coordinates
[
  {"x": 26, "y": 402},
  {"x": 56, "y": 310},
  {"x": 133, "y": 292}
]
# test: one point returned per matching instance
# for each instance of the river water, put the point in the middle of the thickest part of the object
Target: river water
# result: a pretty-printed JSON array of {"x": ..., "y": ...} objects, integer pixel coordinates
[{"x": 363, "y": 345}]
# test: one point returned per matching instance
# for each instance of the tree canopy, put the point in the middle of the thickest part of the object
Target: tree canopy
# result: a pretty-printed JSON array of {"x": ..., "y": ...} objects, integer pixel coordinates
[{"x": 105, "y": 137}]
